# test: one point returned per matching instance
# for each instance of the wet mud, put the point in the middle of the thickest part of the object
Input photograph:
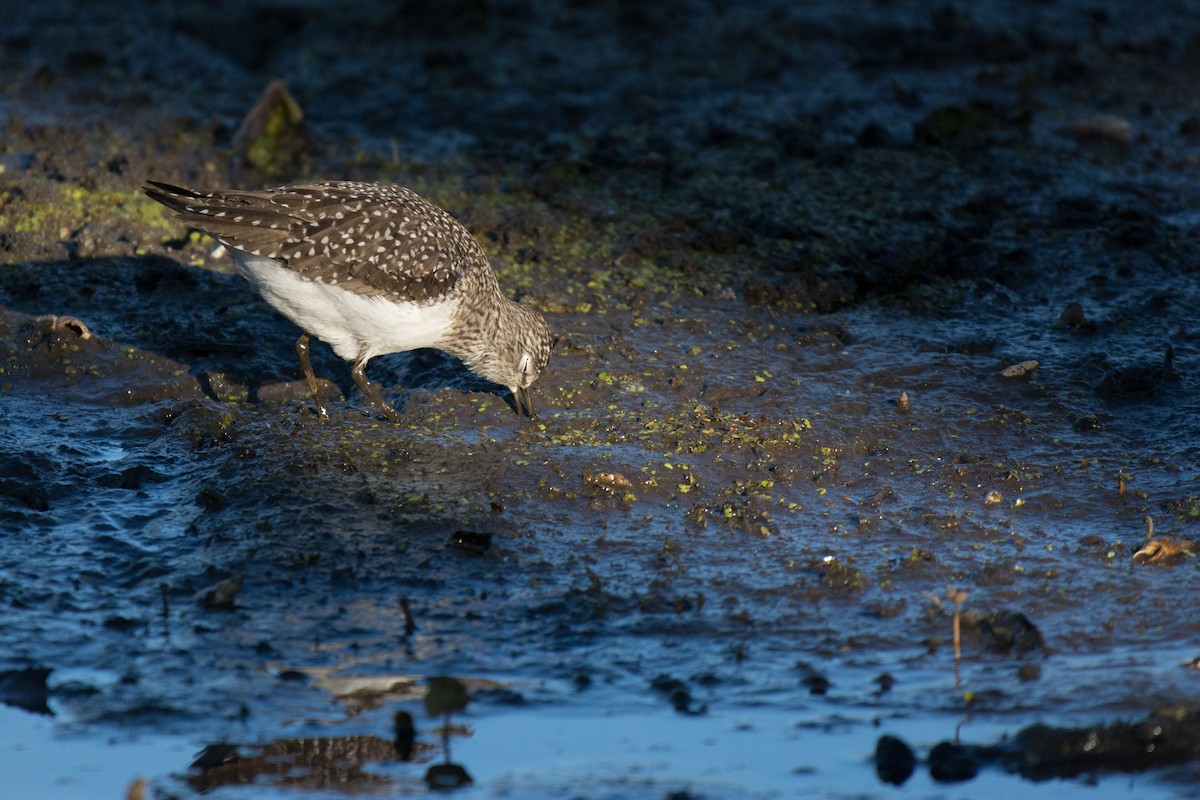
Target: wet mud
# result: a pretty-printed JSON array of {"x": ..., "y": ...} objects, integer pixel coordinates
[{"x": 874, "y": 400}]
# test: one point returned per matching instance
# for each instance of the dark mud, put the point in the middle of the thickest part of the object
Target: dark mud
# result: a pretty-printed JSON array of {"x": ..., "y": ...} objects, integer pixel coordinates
[{"x": 791, "y": 252}]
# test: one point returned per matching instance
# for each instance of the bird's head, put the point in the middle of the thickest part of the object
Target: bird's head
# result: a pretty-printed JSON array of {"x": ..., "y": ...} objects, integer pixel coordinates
[{"x": 518, "y": 359}]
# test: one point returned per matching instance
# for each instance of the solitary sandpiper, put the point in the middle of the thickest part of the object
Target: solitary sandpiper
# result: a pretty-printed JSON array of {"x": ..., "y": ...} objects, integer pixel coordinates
[{"x": 371, "y": 269}]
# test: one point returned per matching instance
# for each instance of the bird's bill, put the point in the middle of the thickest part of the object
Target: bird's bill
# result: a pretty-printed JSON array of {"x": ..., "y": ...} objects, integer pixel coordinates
[{"x": 523, "y": 400}]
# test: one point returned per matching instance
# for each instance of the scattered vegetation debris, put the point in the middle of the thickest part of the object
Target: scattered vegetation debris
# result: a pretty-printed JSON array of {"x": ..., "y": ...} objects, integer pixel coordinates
[
  {"x": 1162, "y": 550},
  {"x": 1165, "y": 551},
  {"x": 272, "y": 141},
  {"x": 220, "y": 596},
  {"x": 837, "y": 575},
  {"x": 45, "y": 329},
  {"x": 609, "y": 485}
]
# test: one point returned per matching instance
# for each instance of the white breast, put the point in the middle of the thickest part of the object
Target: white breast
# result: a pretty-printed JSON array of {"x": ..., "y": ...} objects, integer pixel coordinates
[{"x": 353, "y": 325}]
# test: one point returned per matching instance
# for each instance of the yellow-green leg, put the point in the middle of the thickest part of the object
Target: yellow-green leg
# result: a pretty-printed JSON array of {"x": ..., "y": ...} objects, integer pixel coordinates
[
  {"x": 371, "y": 390},
  {"x": 303, "y": 347}
]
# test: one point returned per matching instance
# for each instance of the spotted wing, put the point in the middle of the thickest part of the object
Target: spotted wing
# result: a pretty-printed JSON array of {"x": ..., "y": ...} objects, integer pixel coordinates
[{"x": 368, "y": 238}]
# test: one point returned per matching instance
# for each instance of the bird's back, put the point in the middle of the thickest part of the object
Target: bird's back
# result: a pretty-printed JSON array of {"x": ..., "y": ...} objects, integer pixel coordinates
[{"x": 371, "y": 239}]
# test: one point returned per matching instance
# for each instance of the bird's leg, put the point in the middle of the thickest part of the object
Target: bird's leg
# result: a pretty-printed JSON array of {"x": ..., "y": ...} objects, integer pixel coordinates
[
  {"x": 302, "y": 349},
  {"x": 371, "y": 390}
]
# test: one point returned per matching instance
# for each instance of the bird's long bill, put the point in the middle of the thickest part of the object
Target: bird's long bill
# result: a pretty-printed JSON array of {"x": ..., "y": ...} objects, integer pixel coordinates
[{"x": 524, "y": 401}]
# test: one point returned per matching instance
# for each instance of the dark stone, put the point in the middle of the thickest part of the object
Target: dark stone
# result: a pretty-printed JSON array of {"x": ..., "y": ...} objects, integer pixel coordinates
[
  {"x": 447, "y": 776},
  {"x": 952, "y": 763},
  {"x": 894, "y": 760},
  {"x": 471, "y": 543},
  {"x": 120, "y": 623},
  {"x": 404, "y": 734},
  {"x": 216, "y": 755},
  {"x": 1040, "y": 752},
  {"x": 1011, "y": 630},
  {"x": 26, "y": 689},
  {"x": 971, "y": 125},
  {"x": 817, "y": 684}
]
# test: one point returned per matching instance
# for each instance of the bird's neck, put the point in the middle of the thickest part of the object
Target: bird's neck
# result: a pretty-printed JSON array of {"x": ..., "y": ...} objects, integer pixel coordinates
[{"x": 476, "y": 326}]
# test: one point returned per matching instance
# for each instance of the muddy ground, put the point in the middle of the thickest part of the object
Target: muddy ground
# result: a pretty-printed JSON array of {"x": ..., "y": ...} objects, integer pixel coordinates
[{"x": 789, "y": 249}]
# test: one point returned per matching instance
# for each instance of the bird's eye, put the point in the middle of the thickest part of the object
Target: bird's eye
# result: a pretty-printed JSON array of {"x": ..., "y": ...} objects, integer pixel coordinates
[{"x": 523, "y": 366}]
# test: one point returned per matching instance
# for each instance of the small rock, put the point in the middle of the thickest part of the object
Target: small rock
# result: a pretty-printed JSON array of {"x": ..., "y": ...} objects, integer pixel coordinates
[
  {"x": 216, "y": 755},
  {"x": 220, "y": 596},
  {"x": 1190, "y": 127},
  {"x": 1073, "y": 316},
  {"x": 894, "y": 760},
  {"x": 1029, "y": 672},
  {"x": 872, "y": 135},
  {"x": 952, "y": 763},
  {"x": 1011, "y": 630},
  {"x": 26, "y": 689},
  {"x": 608, "y": 486},
  {"x": 1101, "y": 128},
  {"x": 612, "y": 481},
  {"x": 677, "y": 694},
  {"x": 446, "y": 776},
  {"x": 1019, "y": 370},
  {"x": 971, "y": 125},
  {"x": 817, "y": 683}
]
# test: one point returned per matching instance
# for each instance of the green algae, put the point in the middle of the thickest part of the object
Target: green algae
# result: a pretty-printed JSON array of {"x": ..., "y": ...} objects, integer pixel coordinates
[{"x": 272, "y": 142}]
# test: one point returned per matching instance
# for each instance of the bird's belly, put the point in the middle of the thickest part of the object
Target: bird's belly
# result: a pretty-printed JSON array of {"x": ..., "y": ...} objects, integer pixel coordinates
[{"x": 355, "y": 326}]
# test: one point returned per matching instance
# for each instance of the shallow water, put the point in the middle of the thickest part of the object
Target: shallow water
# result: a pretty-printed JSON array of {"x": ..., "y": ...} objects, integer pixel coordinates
[{"x": 822, "y": 747}]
